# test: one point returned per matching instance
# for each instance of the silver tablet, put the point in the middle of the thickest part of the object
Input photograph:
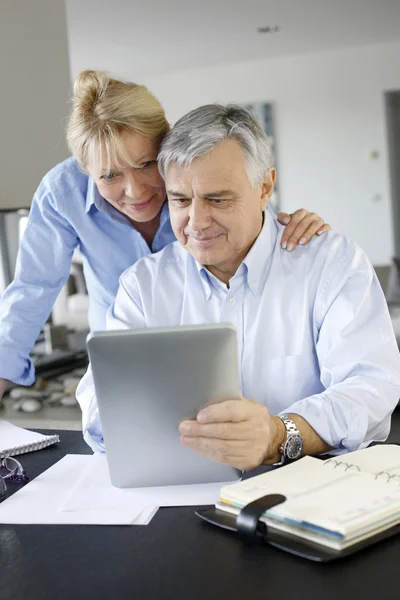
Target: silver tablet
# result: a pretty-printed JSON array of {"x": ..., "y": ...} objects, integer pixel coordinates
[{"x": 149, "y": 380}]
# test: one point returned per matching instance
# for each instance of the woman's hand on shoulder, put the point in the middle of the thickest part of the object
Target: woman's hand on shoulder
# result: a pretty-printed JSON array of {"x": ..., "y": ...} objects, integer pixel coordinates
[{"x": 301, "y": 227}]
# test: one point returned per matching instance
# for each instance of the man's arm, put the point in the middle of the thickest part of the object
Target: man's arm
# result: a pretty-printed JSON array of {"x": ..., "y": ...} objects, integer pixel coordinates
[
  {"x": 357, "y": 353},
  {"x": 313, "y": 444},
  {"x": 360, "y": 370},
  {"x": 242, "y": 433}
]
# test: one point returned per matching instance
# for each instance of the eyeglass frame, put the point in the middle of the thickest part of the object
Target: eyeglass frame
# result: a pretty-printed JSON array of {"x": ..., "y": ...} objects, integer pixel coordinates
[{"x": 16, "y": 473}]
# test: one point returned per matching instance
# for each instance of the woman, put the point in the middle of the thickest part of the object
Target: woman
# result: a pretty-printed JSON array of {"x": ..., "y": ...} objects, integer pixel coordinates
[{"x": 108, "y": 200}]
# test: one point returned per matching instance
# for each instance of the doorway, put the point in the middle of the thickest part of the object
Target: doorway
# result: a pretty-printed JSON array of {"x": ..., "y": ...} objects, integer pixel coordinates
[{"x": 392, "y": 107}]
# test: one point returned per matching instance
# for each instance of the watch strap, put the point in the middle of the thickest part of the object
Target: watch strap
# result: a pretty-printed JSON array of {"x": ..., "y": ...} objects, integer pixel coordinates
[
  {"x": 290, "y": 425},
  {"x": 291, "y": 429}
]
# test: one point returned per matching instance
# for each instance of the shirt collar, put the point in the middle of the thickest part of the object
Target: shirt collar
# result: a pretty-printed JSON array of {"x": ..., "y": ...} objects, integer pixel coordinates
[
  {"x": 258, "y": 259},
  {"x": 204, "y": 279},
  {"x": 164, "y": 216},
  {"x": 92, "y": 196},
  {"x": 256, "y": 262}
]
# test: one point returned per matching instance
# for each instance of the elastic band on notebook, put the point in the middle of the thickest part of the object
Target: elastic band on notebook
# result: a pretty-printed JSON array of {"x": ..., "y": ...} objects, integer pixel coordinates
[{"x": 247, "y": 521}]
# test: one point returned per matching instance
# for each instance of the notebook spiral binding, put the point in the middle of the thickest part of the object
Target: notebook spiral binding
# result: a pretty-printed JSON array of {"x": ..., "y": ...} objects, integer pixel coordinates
[
  {"x": 53, "y": 439},
  {"x": 381, "y": 476}
]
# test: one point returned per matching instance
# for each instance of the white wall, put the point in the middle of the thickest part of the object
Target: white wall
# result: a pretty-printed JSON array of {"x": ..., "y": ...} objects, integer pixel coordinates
[
  {"x": 329, "y": 113},
  {"x": 35, "y": 85}
]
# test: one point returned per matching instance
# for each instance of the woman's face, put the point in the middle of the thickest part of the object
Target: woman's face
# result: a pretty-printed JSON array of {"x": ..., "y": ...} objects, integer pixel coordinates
[{"x": 136, "y": 191}]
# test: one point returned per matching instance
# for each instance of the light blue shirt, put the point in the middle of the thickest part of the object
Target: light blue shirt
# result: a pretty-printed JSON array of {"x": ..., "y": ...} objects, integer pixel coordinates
[
  {"x": 314, "y": 332},
  {"x": 67, "y": 212}
]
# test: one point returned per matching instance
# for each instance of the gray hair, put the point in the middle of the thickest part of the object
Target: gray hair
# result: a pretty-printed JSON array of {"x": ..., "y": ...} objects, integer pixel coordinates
[{"x": 199, "y": 131}]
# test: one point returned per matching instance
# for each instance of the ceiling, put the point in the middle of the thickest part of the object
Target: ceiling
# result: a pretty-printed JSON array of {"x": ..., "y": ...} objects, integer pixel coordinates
[{"x": 133, "y": 38}]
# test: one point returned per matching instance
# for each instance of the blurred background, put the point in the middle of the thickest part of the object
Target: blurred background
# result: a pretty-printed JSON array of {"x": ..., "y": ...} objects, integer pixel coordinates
[{"x": 324, "y": 76}]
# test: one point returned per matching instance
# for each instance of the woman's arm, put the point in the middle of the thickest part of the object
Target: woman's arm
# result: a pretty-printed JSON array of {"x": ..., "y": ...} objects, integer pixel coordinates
[{"x": 43, "y": 265}]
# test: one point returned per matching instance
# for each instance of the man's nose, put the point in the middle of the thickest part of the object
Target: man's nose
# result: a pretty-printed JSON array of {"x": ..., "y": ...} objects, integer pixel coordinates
[
  {"x": 134, "y": 187},
  {"x": 199, "y": 217}
]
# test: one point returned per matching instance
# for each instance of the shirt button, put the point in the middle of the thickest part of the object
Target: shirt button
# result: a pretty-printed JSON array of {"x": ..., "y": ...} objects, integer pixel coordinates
[{"x": 232, "y": 301}]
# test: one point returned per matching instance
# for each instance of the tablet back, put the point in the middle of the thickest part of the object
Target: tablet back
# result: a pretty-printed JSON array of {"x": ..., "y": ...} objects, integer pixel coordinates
[{"x": 149, "y": 380}]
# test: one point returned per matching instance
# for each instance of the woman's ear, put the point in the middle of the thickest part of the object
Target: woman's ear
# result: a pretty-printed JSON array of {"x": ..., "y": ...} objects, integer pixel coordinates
[{"x": 267, "y": 187}]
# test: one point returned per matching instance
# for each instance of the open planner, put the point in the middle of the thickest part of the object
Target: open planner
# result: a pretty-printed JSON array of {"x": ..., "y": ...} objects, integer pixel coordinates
[{"x": 320, "y": 509}]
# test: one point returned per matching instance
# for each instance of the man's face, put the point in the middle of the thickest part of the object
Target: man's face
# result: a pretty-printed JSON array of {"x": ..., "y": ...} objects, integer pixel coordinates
[
  {"x": 215, "y": 213},
  {"x": 136, "y": 191}
]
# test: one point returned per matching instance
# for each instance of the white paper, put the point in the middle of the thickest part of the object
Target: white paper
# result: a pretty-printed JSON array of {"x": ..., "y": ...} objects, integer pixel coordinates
[
  {"x": 38, "y": 501},
  {"x": 94, "y": 489},
  {"x": 375, "y": 459},
  {"x": 146, "y": 515}
]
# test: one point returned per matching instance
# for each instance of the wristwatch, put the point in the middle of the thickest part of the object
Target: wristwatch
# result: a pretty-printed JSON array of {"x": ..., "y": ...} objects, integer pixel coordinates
[{"x": 292, "y": 447}]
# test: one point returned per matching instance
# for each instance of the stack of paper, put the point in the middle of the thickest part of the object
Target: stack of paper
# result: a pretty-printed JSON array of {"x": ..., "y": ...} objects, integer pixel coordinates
[
  {"x": 93, "y": 489},
  {"x": 77, "y": 490}
]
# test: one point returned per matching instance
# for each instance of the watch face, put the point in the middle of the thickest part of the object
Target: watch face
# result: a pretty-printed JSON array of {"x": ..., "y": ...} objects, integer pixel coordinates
[{"x": 294, "y": 446}]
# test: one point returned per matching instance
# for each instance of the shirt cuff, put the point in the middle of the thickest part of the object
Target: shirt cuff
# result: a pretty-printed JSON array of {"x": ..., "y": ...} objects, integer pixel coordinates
[
  {"x": 15, "y": 367},
  {"x": 339, "y": 423},
  {"x": 91, "y": 426},
  {"x": 94, "y": 440}
]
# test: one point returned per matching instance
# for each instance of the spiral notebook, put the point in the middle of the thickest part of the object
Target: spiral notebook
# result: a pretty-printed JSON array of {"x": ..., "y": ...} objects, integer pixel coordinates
[{"x": 16, "y": 440}]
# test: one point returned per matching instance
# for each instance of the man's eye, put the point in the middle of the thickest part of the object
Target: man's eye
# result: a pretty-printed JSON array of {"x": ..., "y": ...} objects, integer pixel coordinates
[
  {"x": 217, "y": 201},
  {"x": 181, "y": 201}
]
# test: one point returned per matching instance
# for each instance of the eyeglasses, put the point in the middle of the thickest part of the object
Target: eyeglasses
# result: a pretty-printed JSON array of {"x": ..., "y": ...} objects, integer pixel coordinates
[{"x": 11, "y": 468}]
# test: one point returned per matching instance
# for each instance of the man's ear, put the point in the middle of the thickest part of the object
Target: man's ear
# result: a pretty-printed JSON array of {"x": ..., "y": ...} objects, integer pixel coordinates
[{"x": 267, "y": 187}]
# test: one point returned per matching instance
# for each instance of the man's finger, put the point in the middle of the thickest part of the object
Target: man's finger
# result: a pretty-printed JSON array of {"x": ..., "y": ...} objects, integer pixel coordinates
[
  {"x": 224, "y": 412},
  {"x": 220, "y": 450},
  {"x": 223, "y": 431}
]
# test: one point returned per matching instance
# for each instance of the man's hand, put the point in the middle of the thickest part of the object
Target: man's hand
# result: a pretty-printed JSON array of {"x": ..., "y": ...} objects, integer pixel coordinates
[
  {"x": 301, "y": 227},
  {"x": 240, "y": 433}
]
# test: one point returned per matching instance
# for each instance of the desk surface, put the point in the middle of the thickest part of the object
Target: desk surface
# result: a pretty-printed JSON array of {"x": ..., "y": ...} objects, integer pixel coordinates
[{"x": 176, "y": 556}]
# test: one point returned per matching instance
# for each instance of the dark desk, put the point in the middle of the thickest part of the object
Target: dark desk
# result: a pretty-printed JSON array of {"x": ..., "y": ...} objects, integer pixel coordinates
[{"x": 176, "y": 556}]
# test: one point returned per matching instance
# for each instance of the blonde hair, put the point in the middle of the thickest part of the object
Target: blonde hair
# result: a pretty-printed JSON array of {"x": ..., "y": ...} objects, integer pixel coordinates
[{"x": 103, "y": 109}]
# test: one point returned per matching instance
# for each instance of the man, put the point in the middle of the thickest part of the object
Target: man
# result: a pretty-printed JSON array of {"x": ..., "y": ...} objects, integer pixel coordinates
[{"x": 320, "y": 368}]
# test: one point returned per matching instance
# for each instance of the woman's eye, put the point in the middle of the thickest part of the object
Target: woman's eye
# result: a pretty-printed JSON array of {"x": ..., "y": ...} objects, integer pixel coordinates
[
  {"x": 148, "y": 164},
  {"x": 108, "y": 176}
]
